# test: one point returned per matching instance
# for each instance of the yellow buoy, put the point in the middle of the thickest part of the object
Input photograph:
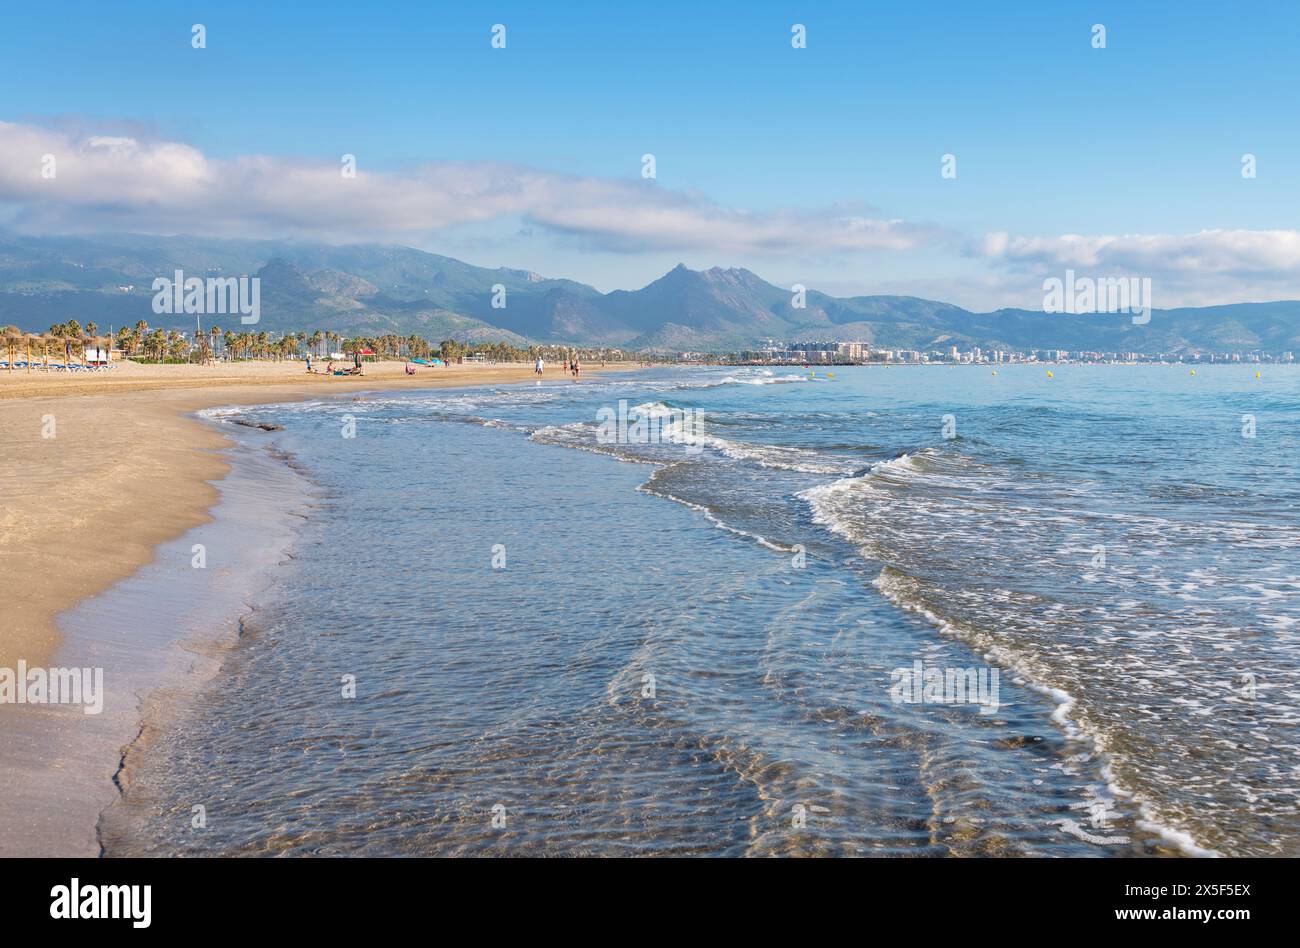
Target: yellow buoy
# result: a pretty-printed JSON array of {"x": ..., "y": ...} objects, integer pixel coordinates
[
  {"x": 830, "y": 375},
  {"x": 1256, "y": 375},
  {"x": 1050, "y": 375},
  {"x": 1193, "y": 372},
  {"x": 995, "y": 371}
]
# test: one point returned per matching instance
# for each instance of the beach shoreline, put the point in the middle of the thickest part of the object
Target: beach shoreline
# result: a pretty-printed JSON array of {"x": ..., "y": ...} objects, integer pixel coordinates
[
  {"x": 153, "y": 640},
  {"x": 72, "y": 791},
  {"x": 107, "y": 467},
  {"x": 108, "y": 473}
]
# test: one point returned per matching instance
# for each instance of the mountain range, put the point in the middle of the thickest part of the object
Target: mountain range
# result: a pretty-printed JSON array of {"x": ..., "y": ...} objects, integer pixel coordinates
[{"x": 371, "y": 289}]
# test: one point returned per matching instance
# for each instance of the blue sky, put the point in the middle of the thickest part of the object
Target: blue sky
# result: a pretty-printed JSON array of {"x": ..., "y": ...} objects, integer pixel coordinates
[{"x": 1142, "y": 139}]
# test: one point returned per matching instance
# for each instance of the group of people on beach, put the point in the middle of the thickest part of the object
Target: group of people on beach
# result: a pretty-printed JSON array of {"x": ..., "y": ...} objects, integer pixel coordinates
[
  {"x": 570, "y": 365},
  {"x": 329, "y": 368}
]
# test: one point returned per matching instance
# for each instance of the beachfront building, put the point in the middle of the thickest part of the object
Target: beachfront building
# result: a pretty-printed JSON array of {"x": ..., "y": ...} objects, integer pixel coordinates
[{"x": 831, "y": 353}]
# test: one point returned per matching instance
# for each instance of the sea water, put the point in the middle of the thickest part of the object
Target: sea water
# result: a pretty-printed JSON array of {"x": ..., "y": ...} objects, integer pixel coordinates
[{"x": 502, "y": 633}]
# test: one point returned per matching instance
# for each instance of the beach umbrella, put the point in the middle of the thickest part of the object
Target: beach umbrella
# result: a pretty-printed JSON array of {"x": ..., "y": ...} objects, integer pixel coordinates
[
  {"x": 46, "y": 341},
  {"x": 12, "y": 339},
  {"x": 29, "y": 338}
]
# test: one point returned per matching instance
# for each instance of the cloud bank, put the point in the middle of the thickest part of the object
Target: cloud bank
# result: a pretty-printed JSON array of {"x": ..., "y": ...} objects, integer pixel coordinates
[
  {"x": 101, "y": 182},
  {"x": 1204, "y": 268},
  {"x": 141, "y": 183},
  {"x": 1229, "y": 251}
]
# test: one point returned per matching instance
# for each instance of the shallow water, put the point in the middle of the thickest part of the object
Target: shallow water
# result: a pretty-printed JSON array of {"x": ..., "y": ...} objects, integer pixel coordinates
[
  {"x": 155, "y": 637},
  {"x": 698, "y": 654}
]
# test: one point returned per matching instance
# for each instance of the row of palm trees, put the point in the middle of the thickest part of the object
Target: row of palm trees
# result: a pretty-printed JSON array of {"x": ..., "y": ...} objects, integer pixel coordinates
[{"x": 155, "y": 344}]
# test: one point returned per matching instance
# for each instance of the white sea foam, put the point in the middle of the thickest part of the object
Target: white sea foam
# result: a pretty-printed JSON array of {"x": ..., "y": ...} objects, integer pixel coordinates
[
  {"x": 766, "y": 380},
  {"x": 1181, "y": 840},
  {"x": 778, "y": 457},
  {"x": 839, "y": 507},
  {"x": 654, "y": 410},
  {"x": 716, "y": 521}
]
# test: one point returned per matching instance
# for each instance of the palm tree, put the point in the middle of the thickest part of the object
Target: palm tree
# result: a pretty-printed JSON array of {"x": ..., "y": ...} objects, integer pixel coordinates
[{"x": 153, "y": 344}]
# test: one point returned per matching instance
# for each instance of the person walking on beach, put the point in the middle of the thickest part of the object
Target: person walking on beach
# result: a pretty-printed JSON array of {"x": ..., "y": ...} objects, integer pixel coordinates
[
  {"x": 537, "y": 369},
  {"x": 309, "y": 363},
  {"x": 576, "y": 369}
]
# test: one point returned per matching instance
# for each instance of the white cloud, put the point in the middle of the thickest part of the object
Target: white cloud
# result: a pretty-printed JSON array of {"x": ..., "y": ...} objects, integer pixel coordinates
[
  {"x": 1240, "y": 251},
  {"x": 138, "y": 182},
  {"x": 1201, "y": 269},
  {"x": 122, "y": 182}
]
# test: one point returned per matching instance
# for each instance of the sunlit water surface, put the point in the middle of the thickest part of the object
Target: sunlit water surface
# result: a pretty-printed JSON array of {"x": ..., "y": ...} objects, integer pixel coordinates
[{"x": 558, "y": 653}]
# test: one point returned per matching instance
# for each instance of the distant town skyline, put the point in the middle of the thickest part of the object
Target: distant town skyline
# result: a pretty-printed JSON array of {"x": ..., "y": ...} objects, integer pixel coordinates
[
  {"x": 966, "y": 157},
  {"x": 836, "y": 352}
]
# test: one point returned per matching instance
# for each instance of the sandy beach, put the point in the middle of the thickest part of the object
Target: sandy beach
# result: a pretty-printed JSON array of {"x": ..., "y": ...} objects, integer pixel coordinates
[
  {"x": 100, "y": 468},
  {"x": 101, "y": 471}
]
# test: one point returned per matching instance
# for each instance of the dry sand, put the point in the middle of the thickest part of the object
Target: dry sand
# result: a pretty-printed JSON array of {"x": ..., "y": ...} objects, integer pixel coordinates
[{"x": 126, "y": 469}]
